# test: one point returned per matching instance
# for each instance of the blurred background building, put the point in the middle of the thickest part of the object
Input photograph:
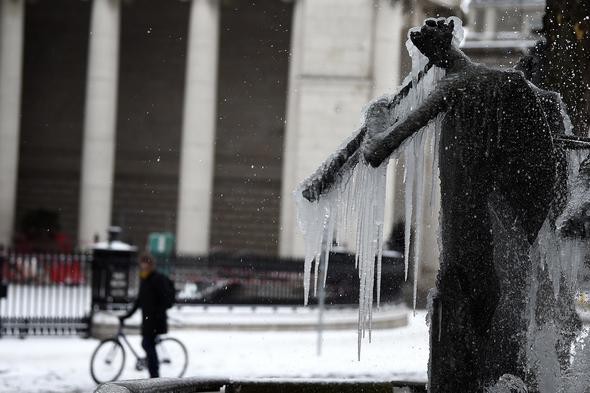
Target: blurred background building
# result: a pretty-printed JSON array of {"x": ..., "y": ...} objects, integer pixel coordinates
[
  {"x": 501, "y": 31},
  {"x": 200, "y": 117}
]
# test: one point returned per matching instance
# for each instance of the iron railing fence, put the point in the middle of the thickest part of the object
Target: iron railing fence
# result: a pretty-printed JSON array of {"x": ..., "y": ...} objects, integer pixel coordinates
[
  {"x": 51, "y": 293},
  {"x": 254, "y": 279},
  {"x": 45, "y": 293}
]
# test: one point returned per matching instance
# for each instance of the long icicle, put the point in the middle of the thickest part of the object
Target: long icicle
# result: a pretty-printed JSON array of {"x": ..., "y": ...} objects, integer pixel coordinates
[
  {"x": 420, "y": 148},
  {"x": 408, "y": 203}
]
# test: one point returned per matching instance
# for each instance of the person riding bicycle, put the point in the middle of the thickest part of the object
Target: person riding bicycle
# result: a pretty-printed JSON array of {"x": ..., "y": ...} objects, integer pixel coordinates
[{"x": 156, "y": 295}]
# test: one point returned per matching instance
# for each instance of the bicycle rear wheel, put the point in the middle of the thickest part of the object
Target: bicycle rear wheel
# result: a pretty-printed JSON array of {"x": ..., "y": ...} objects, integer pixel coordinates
[
  {"x": 107, "y": 361},
  {"x": 173, "y": 357}
]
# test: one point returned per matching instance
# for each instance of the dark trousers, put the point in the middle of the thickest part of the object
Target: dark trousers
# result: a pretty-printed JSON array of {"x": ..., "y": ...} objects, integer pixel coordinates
[{"x": 149, "y": 346}]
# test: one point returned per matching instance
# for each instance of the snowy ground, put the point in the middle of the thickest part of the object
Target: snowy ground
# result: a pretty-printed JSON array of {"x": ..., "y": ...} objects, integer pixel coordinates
[{"x": 61, "y": 364}]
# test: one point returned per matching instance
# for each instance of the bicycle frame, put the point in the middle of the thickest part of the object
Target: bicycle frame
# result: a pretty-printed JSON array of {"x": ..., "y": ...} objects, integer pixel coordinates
[{"x": 122, "y": 337}]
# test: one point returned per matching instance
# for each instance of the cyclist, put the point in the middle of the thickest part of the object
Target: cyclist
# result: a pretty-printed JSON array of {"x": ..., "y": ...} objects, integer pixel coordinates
[{"x": 154, "y": 297}]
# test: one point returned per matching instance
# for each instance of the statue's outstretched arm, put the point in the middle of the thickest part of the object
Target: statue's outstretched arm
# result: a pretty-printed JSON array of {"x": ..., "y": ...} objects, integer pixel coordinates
[
  {"x": 326, "y": 174},
  {"x": 379, "y": 147},
  {"x": 347, "y": 156}
]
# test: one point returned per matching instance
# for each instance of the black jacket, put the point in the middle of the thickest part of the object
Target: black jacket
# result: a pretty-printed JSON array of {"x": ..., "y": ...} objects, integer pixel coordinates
[{"x": 151, "y": 300}]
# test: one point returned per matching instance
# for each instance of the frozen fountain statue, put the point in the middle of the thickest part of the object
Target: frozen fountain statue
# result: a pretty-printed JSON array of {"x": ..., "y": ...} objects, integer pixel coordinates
[{"x": 515, "y": 199}]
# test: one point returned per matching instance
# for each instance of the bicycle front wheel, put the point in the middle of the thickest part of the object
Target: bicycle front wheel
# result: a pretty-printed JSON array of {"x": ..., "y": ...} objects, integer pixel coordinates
[
  {"x": 107, "y": 361},
  {"x": 173, "y": 357}
]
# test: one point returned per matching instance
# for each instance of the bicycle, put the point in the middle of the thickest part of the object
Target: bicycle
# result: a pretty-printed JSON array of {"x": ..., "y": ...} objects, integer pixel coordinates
[{"x": 108, "y": 359}]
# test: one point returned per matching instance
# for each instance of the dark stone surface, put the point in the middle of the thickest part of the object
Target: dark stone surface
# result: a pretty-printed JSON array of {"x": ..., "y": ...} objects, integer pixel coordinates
[
  {"x": 275, "y": 385},
  {"x": 500, "y": 174},
  {"x": 163, "y": 385},
  {"x": 497, "y": 146}
]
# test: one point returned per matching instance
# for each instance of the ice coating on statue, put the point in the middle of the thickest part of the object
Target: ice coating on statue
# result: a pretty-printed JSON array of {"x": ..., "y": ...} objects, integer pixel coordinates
[{"x": 352, "y": 210}]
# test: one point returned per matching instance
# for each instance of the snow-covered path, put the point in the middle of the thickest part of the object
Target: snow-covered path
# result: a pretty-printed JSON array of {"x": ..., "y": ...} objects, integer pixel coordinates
[{"x": 61, "y": 364}]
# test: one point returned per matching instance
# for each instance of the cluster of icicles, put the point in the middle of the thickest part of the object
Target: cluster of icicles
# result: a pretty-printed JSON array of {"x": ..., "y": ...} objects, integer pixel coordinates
[
  {"x": 352, "y": 211},
  {"x": 563, "y": 258}
]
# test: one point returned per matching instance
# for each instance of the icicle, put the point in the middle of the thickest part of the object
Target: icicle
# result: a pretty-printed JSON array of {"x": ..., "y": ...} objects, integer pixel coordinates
[
  {"x": 420, "y": 186},
  {"x": 435, "y": 157},
  {"x": 315, "y": 275},
  {"x": 408, "y": 204},
  {"x": 562, "y": 257},
  {"x": 378, "y": 217},
  {"x": 359, "y": 201}
]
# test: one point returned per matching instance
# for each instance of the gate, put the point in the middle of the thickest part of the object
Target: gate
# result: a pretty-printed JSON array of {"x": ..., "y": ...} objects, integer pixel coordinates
[{"x": 47, "y": 294}]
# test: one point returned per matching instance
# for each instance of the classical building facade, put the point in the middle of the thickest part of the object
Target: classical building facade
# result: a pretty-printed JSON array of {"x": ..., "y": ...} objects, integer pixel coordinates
[
  {"x": 501, "y": 31},
  {"x": 195, "y": 117}
]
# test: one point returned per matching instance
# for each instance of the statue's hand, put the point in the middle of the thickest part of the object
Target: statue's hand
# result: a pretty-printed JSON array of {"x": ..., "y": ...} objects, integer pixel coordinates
[
  {"x": 375, "y": 149},
  {"x": 377, "y": 116},
  {"x": 312, "y": 191},
  {"x": 377, "y": 122}
]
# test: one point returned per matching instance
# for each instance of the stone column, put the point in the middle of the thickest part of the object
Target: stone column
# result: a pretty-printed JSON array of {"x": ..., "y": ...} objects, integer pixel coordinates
[
  {"x": 12, "y": 15},
  {"x": 330, "y": 82},
  {"x": 98, "y": 150},
  {"x": 389, "y": 24},
  {"x": 288, "y": 225},
  {"x": 198, "y": 129},
  {"x": 490, "y": 20}
]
